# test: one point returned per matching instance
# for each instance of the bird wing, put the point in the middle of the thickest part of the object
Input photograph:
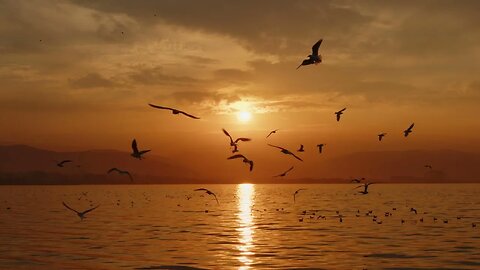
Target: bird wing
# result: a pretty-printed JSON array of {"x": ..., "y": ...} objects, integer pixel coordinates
[
  {"x": 189, "y": 115},
  {"x": 144, "y": 151},
  {"x": 277, "y": 146},
  {"x": 113, "y": 170},
  {"x": 411, "y": 126},
  {"x": 271, "y": 132},
  {"x": 316, "y": 46},
  {"x": 291, "y": 168},
  {"x": 201, "y": 189},
  {"x": 251, "y": 165},
  {"x": 89, "y": 210},
  {"x": 226, "y": 133},
  {"x": 237, "y": 156},
  {"x": 215, "y": 197},
  {"x": 243, "y": 140},
  {"x": 160, "y": 107},
  {"x": 68, "y": 207},
  {"x": 306, "y": 62},
  {"x": 295, "y": 156},
  {"x": 129, "y": 176},
  {"x": 342, "y": 110},
  {"x": 134, "y": 146}
]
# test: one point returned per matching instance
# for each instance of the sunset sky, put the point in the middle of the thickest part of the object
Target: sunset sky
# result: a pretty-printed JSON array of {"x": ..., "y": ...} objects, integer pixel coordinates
[{"x": 78, "y": 75}]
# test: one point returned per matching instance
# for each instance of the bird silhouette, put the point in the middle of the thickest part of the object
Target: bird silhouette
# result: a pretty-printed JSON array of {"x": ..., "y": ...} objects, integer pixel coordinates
[
  {"x": 296, "y": 192},
  {"x": 121, "y": 172},
  {"x": 245, "y": 160},
  {"x": 408, "y": 130},
  {"x": 365, "y": 186},
  {"x": 357, "y": 180},
  {"x": 313, "y": 58},
  {"x": 272, "y": 132},
  {"x": 233, "y": 143},
  {"x": 174, "y": 111},
  {"x": 62, "y": 163},
  {"x": 301, "y": 148},
  {"x": 381, "y": 135},
  {"x": 339, "y": 113},
  {"x": 428, "y": 166},
  {"x": 135, "y": 152},
  {"x": 81, "y": 215},
  {"x": 320, "y": 147},
  {"x": 208, "y": 192},
  {"x": 284, "y": 173},
  {"x": 285, "y": 151}
]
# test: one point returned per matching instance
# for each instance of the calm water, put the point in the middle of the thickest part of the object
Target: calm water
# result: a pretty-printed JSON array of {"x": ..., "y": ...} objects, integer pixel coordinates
[{"x": 253, "y": 227}]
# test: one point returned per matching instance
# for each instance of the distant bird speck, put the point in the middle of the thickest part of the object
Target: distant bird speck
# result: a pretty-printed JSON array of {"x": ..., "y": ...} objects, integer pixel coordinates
[{"x": 339, "y": 113}]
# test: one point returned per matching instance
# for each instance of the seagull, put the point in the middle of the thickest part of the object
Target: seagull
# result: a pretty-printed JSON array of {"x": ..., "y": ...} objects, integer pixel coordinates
[
  {"x": 121, "y": 172},
  {"x": 208, "y": 192},
  {"x": 313, "y": 58},
  {"x": 301, "y": 148},
  {"x": 365, "y": 186},
  {"x": 284, "y": 173},
  {"x": 339, "y": 113},
  {"x": 413, "y": 210},
  {"x": 135, "y": 152},
  {"x": 320, "y": 147},
  {"x": 245, "y": 160},
  {"x": 285, "y": 151},
  {"x": 428, "y": 166},
  {"x": 357, "y": 180},
  {"x": 174, "y": 111},
  {"x": 381, "y": 135},
  {"x": 61, "y": 163},
  {"x": 81, "y": 215},
  {"x": 232, "y": 142},
  {"x": 272, "y": 132},
  {"x": 408, "y": 130},
  {"x": 296, "y": 192}
]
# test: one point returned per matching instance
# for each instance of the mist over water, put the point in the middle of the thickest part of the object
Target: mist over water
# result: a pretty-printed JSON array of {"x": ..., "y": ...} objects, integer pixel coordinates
[{"x": 253, "y": 227}]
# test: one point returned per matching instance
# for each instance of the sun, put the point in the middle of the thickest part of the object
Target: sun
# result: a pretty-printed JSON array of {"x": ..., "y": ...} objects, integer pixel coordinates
[{"x": 244, "y": 116}]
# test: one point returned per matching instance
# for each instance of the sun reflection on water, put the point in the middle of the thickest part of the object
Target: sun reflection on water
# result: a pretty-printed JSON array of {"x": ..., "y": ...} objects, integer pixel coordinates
[{"x": 245, "y": 193}]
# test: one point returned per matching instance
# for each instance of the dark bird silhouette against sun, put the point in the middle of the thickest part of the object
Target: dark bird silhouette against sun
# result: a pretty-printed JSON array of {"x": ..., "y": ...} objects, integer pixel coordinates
[
  {"x": 81, "y": 215},
  {"x": 245, "y": 160},
  {"x": 121, "y": 172},
  {"x": 174, "y": 111},
  {"x": 408, "y": 130},
  {"x": 208, "y": 192},
  {"x": 285, "y": 151},
  {"x": 284, "y": 173},
  {"x": 135, "y": 152},
  {"x": 313, "y": 58},
  {"x": 339, "y": 113}
]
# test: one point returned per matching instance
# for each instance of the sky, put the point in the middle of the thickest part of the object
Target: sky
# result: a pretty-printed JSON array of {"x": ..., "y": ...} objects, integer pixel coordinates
[{"x": 78, "y": 75}]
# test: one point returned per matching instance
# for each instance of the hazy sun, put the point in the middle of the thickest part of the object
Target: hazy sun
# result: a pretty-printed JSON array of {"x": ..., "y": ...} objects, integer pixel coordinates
[{"x": 244, "y": 116}]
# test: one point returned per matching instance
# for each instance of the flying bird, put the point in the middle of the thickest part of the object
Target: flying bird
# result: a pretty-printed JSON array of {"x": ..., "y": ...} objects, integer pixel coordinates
[
  {"x": 135, "y": 152},
  {"x": 208, "y": 192},
  {"x": 81, "y": 215},
  {"x": 284, "y": 173},
  {"x": 357, "y": 180},
  {"x": 313, "y": 58},
  {"x": 428, "y": 166},
  {"x": 61, "y": 163},
  {"x": 381, "y": 135},
  {"x": 121, "y": 172},
  {"x": 320, "y": 147},
  {"x": 272, "y": 132},
  {"x": 301, "y": 148},
  {"x": 285, "y": 151},
  {"x": 174, "y": 111},
  {"x": 245, "y": 160},
  {"x": 233, "y": 143},
  {"x": 339, "y": 113},
  {"x": 408, "y": 130},
  {"x": 365, "y": 186},
  {"x": 296, "y": 192}
]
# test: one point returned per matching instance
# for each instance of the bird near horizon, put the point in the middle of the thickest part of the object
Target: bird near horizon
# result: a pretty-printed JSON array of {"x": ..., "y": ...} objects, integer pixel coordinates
[
  {"x": 174, "y": 111},
  {"x": 320, "y": 147},
  {"x": 284, "y": 173},
  {"x": 339, "y": 113},
  {"x": 313, "y": 58},
  {"x": 357, "y": 180},
  {"x": 408, "y": 130},
  {"x": 285, "y": 151},
  {"x": 81, "y": 215},
  {"x": 63, "y": 162},
  {"x": 135, "y": 153},
  {"x": 208, "y": 192},
  {"x": 296, "y": 192},
  {"x": 272, "y": 132},
  {"x": 121, "y": 172},
  {"x": 365, "y": 186},
  {"x": 301, "y": 148},
  {"x": 245, "y": 160},
  {"x": 381, "y": 135}
]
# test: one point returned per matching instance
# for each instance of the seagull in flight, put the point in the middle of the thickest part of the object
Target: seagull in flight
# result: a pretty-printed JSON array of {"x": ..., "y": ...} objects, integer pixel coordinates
[
  {"x": 365, "y": 186},
  {"x": 320, "y": 147},
  {"x": 208, "y": 192},
  {"x": 357, "y": 180},
  {"x": 428, "y": 166},
  {"x": 61, "y": 163},
  {"x": 135, "y": 152},
  {"x": 381, "y": 135},
  {"x": 81, "y": 215},
  {"x": 245, "y": 160},
  {"x": 285, "y": 151},
  {"x": 233, "y": 143},
  {"x": 408, "y": 130},
  {"x": 284, "y": 173},
  {"x": 339, "y": 113},
  {"x": 313, "y": 58},
  {"x": 272, "y": 132},
  {"x": 296, "y": 192},
  {"x": 301, "y": 148},
  {"x": 174, "y": 111},
  {"x": 121, "y": 172}
]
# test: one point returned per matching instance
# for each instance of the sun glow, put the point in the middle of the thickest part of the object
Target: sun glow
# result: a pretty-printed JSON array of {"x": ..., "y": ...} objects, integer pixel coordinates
[
  {"x": 244, "y": 116},
  {"x": 245, "y": 193}
]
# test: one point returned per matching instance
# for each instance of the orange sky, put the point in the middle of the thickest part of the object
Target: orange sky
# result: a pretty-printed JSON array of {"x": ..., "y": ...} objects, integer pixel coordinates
[{"x": 70, "y": 80}]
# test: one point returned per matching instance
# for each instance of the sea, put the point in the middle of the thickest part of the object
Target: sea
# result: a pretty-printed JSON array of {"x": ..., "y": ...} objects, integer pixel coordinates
[{"x": 253, "y": 226}]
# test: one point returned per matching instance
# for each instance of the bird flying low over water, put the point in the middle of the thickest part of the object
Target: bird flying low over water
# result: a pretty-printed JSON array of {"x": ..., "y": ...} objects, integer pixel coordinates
[
  {"x": 61, "y": 163},
  {"x": 233, "y": 143},
  {"x": 81, "y": 215},
  {"x": 357, "y": 180},
  {"x": 272, "y": 132},
  {"x": 320, "y": 147},
  {"x": 408, "y": 130},
  {"x": 365, "y": 186},
  {"x": 285, "y": 151},
  {"x": 245, "y": 160},
  {"x": 301, "y": 148},
  {"x": 121, "y": 172},
  {"x": 135, "y": 152},
  {"x": 208, "y": 192},
  {"x": 296, "y": 192},
  {"x": 284, "y": 173},
  {"x": 313, "y": 58},
  {"x": 339, "y": 113},
  {"x": 381, "y": 135},
  {"x": 174, "y": 111}
]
